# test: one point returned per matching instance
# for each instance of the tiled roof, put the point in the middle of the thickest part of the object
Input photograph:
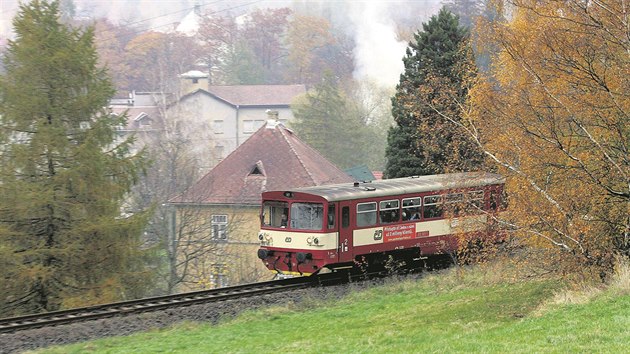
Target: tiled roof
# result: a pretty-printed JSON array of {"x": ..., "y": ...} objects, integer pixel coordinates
[
  {"x": 257, "y": 95},
  {"x": 272, "y": 158}
]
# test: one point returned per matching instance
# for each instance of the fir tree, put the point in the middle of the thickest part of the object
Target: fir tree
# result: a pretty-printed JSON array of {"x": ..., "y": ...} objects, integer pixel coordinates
[
  {"x": 437, "y": 65},
  {"x": 63, "y": 174},
  {"x": 325, "y": 121}
]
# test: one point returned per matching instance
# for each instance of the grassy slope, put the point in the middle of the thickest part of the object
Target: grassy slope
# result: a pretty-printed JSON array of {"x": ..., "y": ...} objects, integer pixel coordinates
[{"x": 459, "y": 311}]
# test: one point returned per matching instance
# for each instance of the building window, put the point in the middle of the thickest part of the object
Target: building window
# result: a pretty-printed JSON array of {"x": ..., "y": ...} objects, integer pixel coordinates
[
  {"x": 218, "y": 277},
  {"x": 218, "y": 152},
  {"x": 250, "y": 126},
  {"x": 217, "y": 127},
  {"x": 219, "y": 227}
]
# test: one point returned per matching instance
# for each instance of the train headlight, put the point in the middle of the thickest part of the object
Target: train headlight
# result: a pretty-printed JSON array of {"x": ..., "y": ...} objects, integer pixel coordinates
[{"x": 313, "y": 241}]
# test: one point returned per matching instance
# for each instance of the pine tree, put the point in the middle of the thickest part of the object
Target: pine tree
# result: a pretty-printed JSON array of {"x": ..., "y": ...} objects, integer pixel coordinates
[
  {"x": 63, "y": 174},
  {"x": 437, "y": 65}
]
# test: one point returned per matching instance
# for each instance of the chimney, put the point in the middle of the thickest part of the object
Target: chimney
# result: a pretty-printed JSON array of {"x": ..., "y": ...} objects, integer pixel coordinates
[
  {"x": 272, "y": 119},
  {"x": 194, "y": 80}
]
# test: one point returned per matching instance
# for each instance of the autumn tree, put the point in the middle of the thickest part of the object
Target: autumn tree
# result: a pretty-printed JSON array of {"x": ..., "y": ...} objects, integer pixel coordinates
[
  {"x": 230, "y": 60},
  {"x": 63, "y": 175},
  {"x": 553, "y": 115},
  {"x": 183, "y": 236},
  {"x": 306, "y": 36},
  {"x": 438, "y": 67},
  {"x": 372, "y": 102},
  {"x": 110, "y": 41},
  {"x": 264, "y": 32},
  {"x": 155, "y": 60}
]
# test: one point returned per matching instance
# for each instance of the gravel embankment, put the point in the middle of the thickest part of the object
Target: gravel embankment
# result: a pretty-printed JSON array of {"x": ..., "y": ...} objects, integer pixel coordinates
[{"x": 212, "y": 312}]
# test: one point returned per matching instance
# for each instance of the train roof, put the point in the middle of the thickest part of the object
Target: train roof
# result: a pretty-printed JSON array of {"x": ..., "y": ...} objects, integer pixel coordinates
[{"x": 398, "y": 186}]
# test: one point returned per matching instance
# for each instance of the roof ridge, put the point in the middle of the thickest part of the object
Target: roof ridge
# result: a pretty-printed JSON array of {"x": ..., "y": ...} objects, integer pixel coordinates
[{"x": 299, "y": 158}]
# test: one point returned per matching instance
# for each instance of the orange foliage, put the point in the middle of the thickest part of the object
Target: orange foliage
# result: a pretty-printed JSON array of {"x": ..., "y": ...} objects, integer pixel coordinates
[{"x": 553, "y": 114}]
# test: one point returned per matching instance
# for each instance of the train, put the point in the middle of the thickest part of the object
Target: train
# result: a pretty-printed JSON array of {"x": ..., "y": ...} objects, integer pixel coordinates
[{"x": 366, "y": 225}]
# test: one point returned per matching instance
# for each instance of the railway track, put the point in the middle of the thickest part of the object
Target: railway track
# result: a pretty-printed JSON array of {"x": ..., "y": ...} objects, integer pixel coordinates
[{"x": 14, "y": 324}]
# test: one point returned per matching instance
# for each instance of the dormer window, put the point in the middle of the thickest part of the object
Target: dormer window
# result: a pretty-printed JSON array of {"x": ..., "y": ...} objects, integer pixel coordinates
[
  {"x": 143, "y": 119},
  {"x": 257, "y": 170}
]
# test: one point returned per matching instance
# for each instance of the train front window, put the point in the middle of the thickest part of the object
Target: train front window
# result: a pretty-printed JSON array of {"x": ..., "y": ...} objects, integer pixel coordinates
[
  {"x": 307, "y": 216},
  {"x": 275, "y": 214}
]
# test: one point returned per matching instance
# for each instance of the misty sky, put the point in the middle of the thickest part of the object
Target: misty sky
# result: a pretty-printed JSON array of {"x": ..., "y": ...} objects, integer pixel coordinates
[{"x": 372, "y": 23}]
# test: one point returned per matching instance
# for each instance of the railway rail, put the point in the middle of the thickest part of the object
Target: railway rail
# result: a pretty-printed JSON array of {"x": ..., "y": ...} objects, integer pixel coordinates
[{"x": 124, "y": 308}]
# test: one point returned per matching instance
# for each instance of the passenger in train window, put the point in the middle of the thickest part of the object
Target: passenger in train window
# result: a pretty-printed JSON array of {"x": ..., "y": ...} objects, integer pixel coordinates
[
  {"x": 415, "y": 215},
  {"x": 283, "y": 221}
]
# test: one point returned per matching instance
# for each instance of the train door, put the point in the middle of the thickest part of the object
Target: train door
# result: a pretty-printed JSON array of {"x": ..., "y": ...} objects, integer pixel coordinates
[{"x": 345, "y": 233}]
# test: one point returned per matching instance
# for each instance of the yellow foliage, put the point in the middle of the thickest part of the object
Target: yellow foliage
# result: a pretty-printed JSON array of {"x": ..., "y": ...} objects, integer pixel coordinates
[{"x": 553, "y": 114}]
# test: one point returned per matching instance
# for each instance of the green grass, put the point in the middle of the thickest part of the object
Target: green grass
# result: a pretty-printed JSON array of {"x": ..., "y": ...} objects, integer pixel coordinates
[{"x": 458, "y": 311}]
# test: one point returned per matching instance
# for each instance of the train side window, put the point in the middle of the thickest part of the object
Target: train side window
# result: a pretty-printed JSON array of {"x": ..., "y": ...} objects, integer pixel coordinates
[
  {"x": 366, "y": 214},
  {"x": 345, "y": 217},
  {"x": 433, "y": 206},
  {"x": 475, "y": 202},
  {"x": 454, "y": 203},
  {"x": 389, "y": 211},
  {"x": 411, "y": 208},
  {"x": 331, "y": 216}
]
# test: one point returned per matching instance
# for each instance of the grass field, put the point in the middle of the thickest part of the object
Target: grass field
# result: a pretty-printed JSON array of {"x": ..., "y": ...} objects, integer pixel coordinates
[{"x": 456, "y": 311}]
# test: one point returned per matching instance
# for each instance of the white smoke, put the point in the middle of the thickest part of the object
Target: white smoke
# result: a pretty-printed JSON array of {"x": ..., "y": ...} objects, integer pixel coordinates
[{"x": 378, "y": 52}]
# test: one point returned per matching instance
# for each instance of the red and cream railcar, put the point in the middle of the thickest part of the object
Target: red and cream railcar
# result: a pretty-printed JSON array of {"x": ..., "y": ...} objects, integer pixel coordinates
[{"x": 334, "y": 226}]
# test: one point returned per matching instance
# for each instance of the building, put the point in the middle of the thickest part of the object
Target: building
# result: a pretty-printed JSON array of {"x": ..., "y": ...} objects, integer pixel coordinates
[
  {"x": 214, "y": 119},
  {"x": 228, "y": 198}
]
